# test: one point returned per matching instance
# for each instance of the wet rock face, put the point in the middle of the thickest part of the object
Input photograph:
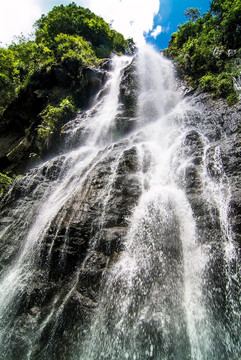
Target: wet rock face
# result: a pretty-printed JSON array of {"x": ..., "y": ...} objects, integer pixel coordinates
[
  {"x": 129, "y": 89},
  {"x": 89, "y": 231},
  {"x": 23, "y": 114},
  {"x": 81, "y": 242},
  {"x": 220, "y": 124},
  {"x": 126, "y": 120},
  {"x": 96, "y": 218},
  {"x": 213, "y": 178}
]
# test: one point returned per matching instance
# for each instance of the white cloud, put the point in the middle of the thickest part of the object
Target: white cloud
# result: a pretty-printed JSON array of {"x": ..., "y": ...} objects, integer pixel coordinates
[
  {"x": 131, "y": 18},
  {"x": 17, "y": 17},
  {"x": 157, "y": 31}
]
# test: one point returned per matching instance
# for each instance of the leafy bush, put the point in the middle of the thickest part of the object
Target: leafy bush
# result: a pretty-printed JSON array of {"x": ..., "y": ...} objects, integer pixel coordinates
[
  {"x": 9, "y": 77},
  {"x": 228, "y": 17},
  {"x": 17, "y": 64},
  {"x": 69, "y": 46},
  {"x": 65, "y": 32},
  {"x": 220, "y": 85},
  {"x": 52, "y": 120},
  {"x": 5, "y": 182},
  {"x": 77, "y": 21},
  {"x": 232, "y": 99},
  {"x": 201, "y": 46}
]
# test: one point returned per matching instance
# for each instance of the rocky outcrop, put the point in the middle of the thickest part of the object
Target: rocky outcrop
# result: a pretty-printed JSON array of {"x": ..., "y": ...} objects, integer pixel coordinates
[
  {"x": 87, "y": 233},
  {"x": 85, "y": 237},
  {"x": 220, "y": 124},
  {"x": 213, "y": 143},
  {"x": 20, "y": 121},
  {"x": 129, "y": 88}
]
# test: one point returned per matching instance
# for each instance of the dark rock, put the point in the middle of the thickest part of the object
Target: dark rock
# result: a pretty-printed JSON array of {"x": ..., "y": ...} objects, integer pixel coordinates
[
  {"x": 110, "y": 240},
  {"x": 192, "y": 179},
  {"x": 95, "y": 79},
  {"x": 88, "y": 233},
  {"x": 129, "y": 90},
  {"x": 127, "y": 118},
  {"x": 217, "y": 157},
  {"x": 46, "y": 86}
]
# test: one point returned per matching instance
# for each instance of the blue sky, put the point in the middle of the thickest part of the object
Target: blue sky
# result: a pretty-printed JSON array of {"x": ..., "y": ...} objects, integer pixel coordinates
[
  {"x": 170, "y": 15},
  {"x": 156, "y": 19}
]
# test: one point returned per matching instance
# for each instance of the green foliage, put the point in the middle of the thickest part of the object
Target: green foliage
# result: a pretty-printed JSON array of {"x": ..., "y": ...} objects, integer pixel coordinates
[
  {"x": 9, "y": 77},
  {"x": 228, "y": 17},
  {"x": 69, "y": 46},
  {"x": 201, "y": 46},
  {"x": 192, "y": 14},
  {"x": 52, "y": 119},
  {"x": 220, "y": 85},
  {"x": 232, "y": 99},
  {"x": 65, "y": 32},
  {"x": 5, "y": 182},
  {"x": 17, "y": 64},
  {"x": 30, "y": 56},
  {"x": 44, "y": 75},
  {"x": 76, "y": 21}
]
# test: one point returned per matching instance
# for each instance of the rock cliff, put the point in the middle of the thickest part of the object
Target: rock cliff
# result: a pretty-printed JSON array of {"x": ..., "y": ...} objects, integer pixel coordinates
[
  {"x": 87, "y": 233},
  {"x": 21, "y": 119}
]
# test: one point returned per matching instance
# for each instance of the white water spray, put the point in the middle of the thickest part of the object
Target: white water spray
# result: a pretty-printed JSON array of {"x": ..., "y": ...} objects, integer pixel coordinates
[{"x": 153, "y": 303}]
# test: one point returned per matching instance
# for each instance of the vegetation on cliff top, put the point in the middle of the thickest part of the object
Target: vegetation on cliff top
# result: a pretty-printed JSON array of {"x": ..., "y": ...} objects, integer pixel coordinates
[
  {"x": 65, "y": 32},
  {"x": 69, "y": 39},
  {"x": 207, "y": 49},
  {"x": 44, "y": 81}
]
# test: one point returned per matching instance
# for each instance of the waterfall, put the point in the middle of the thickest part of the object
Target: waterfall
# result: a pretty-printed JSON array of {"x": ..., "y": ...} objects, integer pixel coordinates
[{"x": 122, "y": 247}]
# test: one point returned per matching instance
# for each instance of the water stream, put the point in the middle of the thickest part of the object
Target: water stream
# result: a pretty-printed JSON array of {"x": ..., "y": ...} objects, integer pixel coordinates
[{"x": 171, "y": 290}]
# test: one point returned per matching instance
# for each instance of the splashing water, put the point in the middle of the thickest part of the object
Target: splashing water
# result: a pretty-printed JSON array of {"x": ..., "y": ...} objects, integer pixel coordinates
[{"x": 155, "y": 299}]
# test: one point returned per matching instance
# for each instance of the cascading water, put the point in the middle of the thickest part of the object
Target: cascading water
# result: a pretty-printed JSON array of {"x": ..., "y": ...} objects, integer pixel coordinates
[{"x": 124, "y": 249}]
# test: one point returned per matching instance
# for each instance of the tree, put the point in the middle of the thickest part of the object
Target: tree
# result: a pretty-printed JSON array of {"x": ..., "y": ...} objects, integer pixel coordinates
[
  {"x": 9, "y": 77},
  {"x": 201, "y": 46},
  {"x": 77, "y": 21},
  {"x": 192, "y": 14},
  {"x": 69, "y": 31},
  {"x": 228, "y": 15}
]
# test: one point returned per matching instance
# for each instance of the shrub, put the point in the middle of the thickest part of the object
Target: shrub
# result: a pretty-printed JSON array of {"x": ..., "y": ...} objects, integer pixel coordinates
[
  {"x": 53, "y": 118},
  {"x": 201, "y": 48},
  {"x": 5, "y": 182},
  {"x": 69, "y": 46},
  {"x": 221, "y": 86},
  {"x": 76, "y": 21}
]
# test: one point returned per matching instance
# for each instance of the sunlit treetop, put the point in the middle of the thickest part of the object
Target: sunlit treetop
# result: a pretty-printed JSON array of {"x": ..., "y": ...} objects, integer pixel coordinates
[
  {"x": 76, "y": 20},
  {"x": 202, "y": 48}
]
